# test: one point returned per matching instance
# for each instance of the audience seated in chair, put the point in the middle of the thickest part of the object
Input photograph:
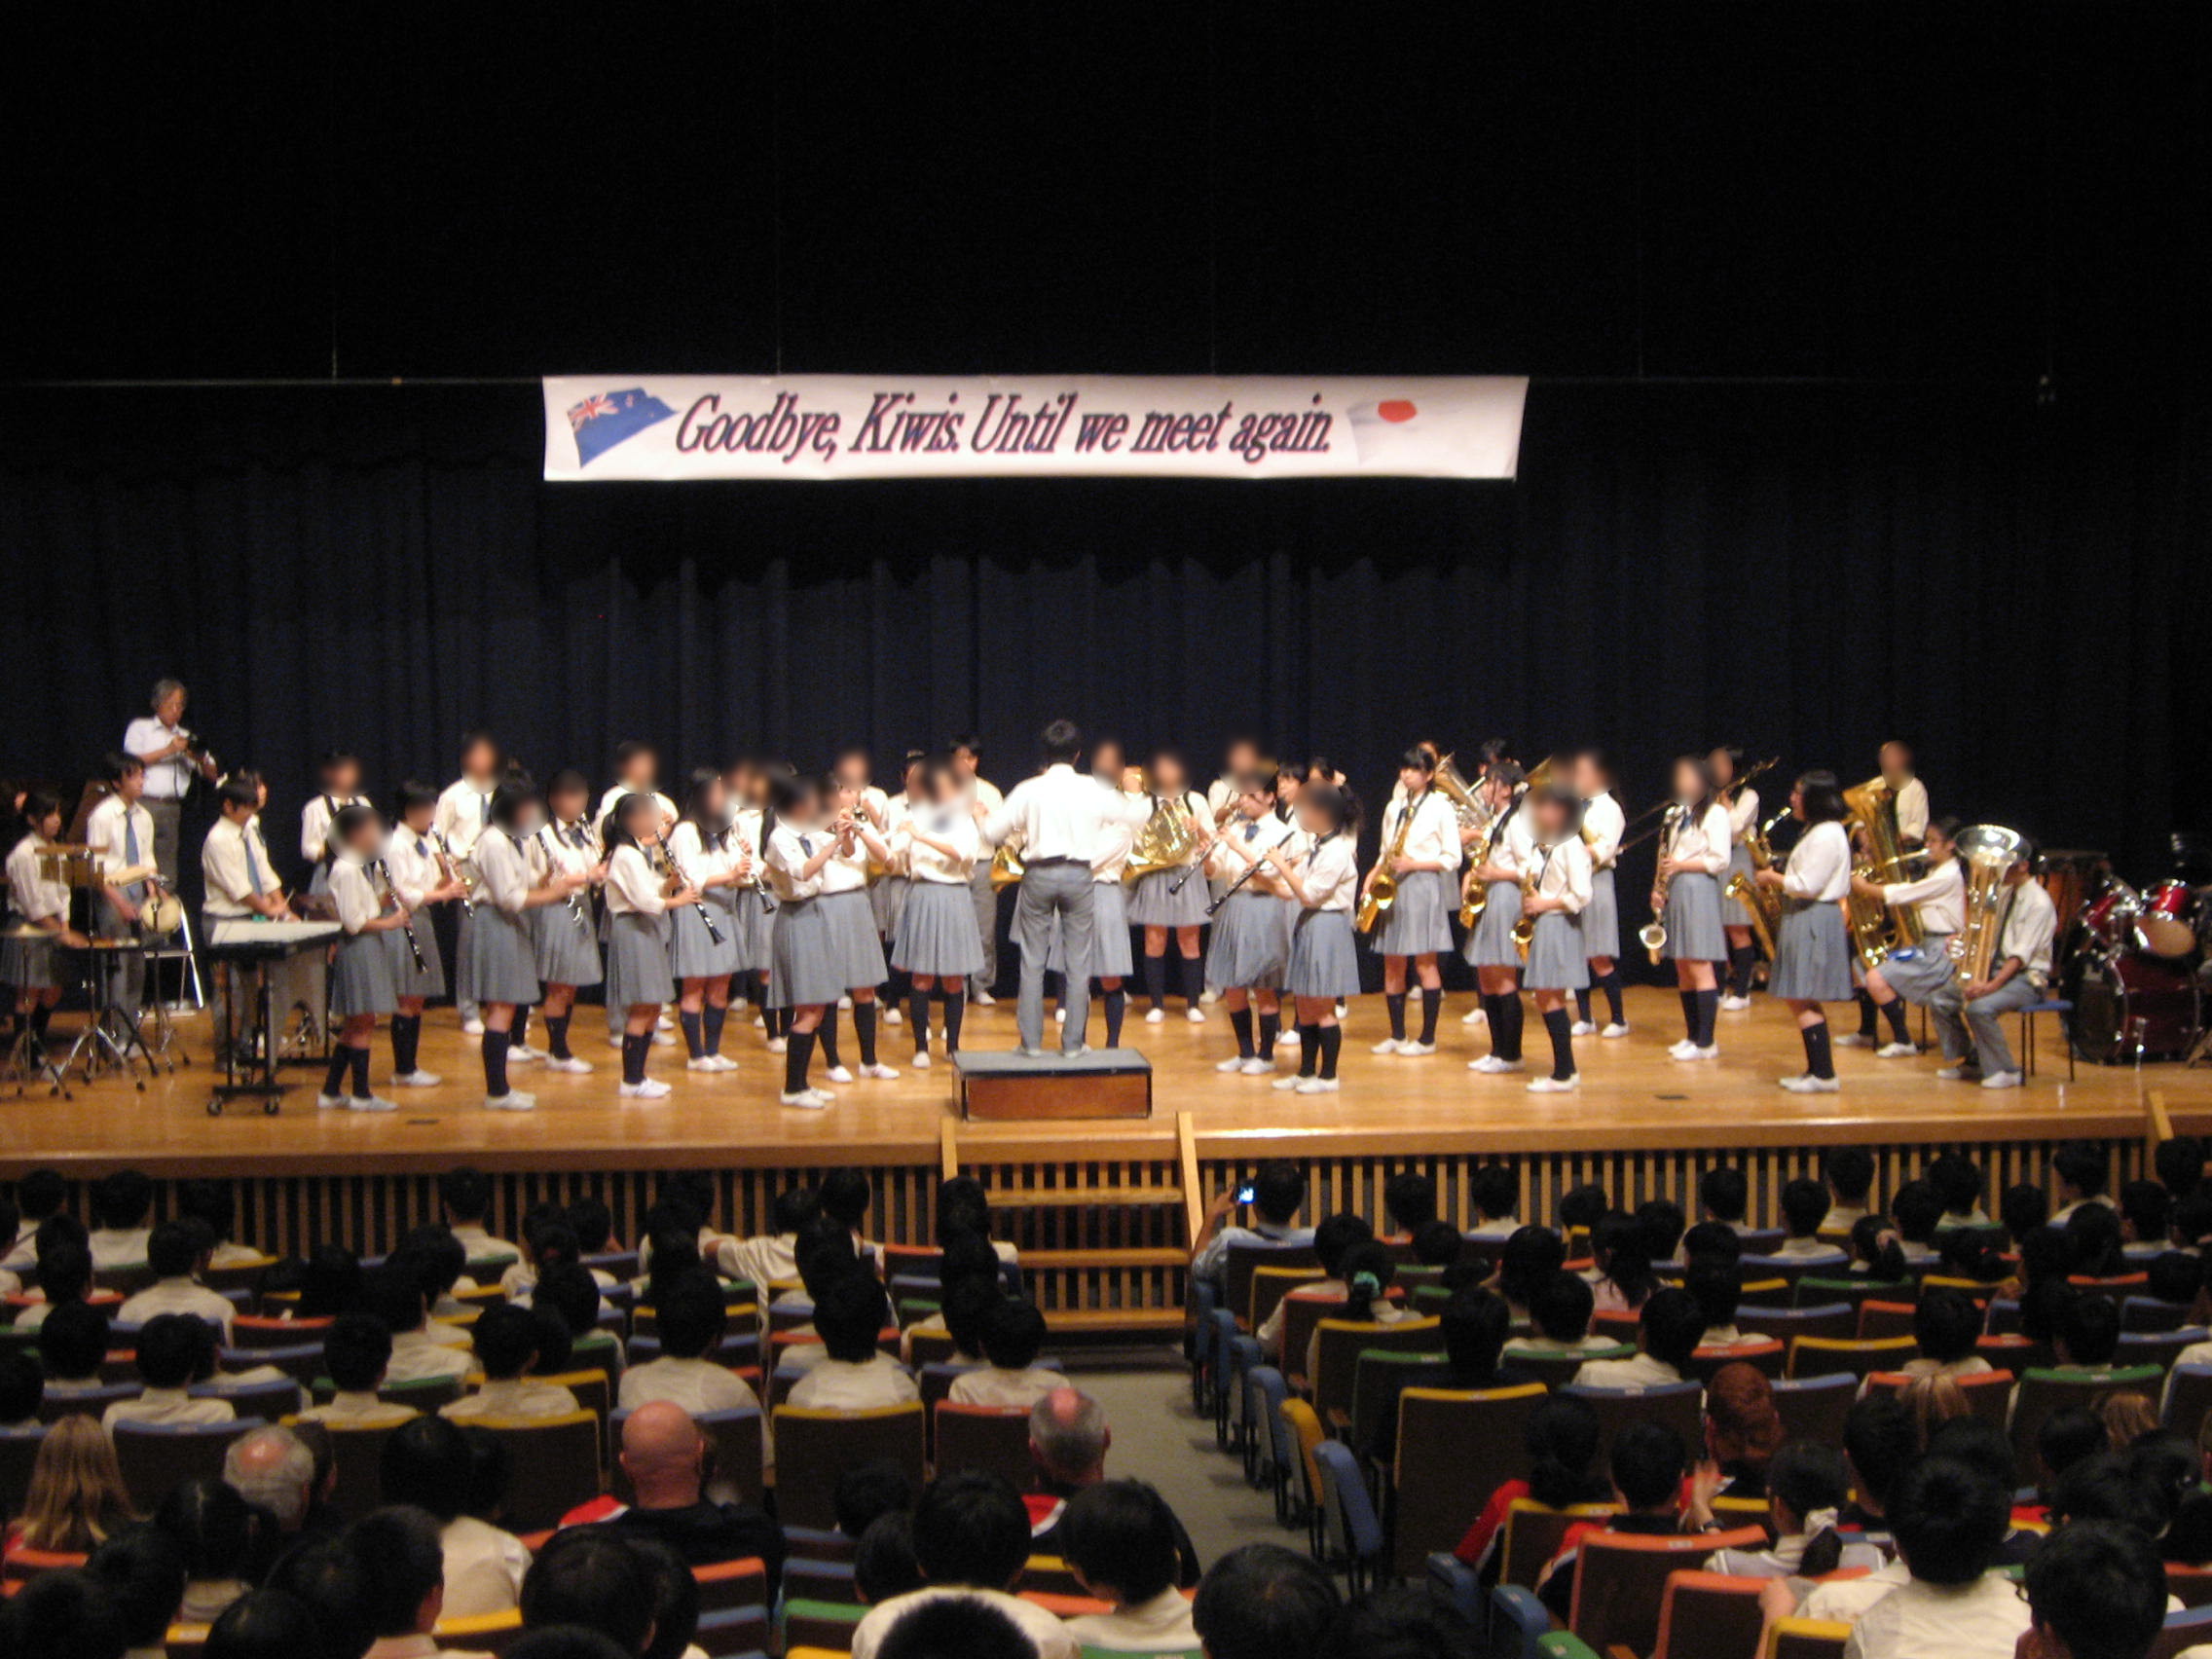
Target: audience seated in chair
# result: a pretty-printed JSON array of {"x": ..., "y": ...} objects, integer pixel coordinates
[
  {"x": 2096, "y": 1591},
  {"x": 1068, "y": 1441},
  {"x": 1013, "y": 1334},
  {"x": 1119, "y": 1537},
  {"x": 1279, "y": 1192},
  {"x": 393, "y": 1293},
  {"x": 466, "y": 1195},
  {"x": 1333, "y": 1240},
  {"x": 1958, "y": 1182},
  {"x": 855, "y": 1376},
  {"x": 219, "y": 1534},
  {"x": 511, "y": 1343},
  {"x": 1667, "y": 1334},
  {"x": 1849, "y": 1174},
  {"x": 971, "y": 1541},
  {"x": 2081, "y": 1170},
  {"x": 40, "y": 1196},
  {"x": 1743, "y": 1431},
  {"x": 23, "y": 1389},
  {"x": 76, "y": 1498},
  {"x": 1473, "y": 1327},
  {"x": 392, "y": 1562},
  {"x": 143, "y": 1570},
  {"x": 175, "y": 1352},
  {"x": 1805, "y": 1211},
  {"x": 1560, "y": 1440},
  {"x": 1529, "y": 1258},
  {"x": 274, "y": 1470},
  {"x": 64, "y": 1273},
  {"x": 970, "y": 1301},
  {"x": 61, "y": 1613},
  {"x": 1807, "y": 1483},
  {"x": 214, "y": 1204},
  {"x": 690, "y": 1319},
  {"x": 1946, "y": 1324},
  {"x": 1624, "y": 1278},
  {"x": 1264, "y": 1601},
  {"x": 120, "y": 1203},
  {"x": 1648, "y": 1466},
  {"x": 773, "y": 1257},
  {"x": 71, "y": 1345},
  {"x": 1718, "y": 1288},
  {"x": 1495, "y": 1191},
  {"x": 666, "y": 1459},
  {"x": 428, "y": 1465},
  {"x": 355, "y": 1354},
  {"x": 177, "y": 1253}
]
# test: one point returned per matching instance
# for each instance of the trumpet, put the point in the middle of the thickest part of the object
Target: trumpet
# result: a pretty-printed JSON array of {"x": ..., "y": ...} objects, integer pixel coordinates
[
  {"x": 679, "y": 881},
  {"x": 1652, "y": 935},
  {"x": 391, "y": 891}
]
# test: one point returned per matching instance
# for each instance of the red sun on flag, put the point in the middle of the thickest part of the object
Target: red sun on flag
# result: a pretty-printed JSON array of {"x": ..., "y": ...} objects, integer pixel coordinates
[{"x": 1396, "y": 409}]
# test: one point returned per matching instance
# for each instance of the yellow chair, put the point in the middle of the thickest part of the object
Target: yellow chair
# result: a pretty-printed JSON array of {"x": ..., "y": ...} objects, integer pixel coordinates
[
  {"x": 1807, "y": 1639},
  {"x": 486, "y": 1633},
  {"x": 814, "y": 1450},
  {"x": 554, "y": 1465}
]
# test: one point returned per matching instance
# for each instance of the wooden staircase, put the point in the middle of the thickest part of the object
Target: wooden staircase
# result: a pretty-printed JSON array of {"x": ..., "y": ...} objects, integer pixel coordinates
[{"x": 1105, "y": 1241}]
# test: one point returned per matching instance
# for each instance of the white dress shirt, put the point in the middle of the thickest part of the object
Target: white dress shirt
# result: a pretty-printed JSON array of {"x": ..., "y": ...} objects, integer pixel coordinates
[
  {"x": 464, "y": 812},
  {"x": 316, "y": 819},
  {"x": 1912, "y": 810},
  {"x": 165, "y": 780},
  {"x": 413, "y": 859},
  {"x": 1642, "y": 1372},
  {"x": 790, "y": 849},
  {"x": 1331, "y": 874},
  {"x": 511, "y": 1397},
  {"x": 108, "y": 832},
  {"x": 992, "y": 1386},
  {"x": 696, "y": 856},
  {"x": 503, "y": 871},
  {"x": 417, "y": 1355},
  {"x": 358, "y": 1409},
  {"x": 698, "y": 1386},
  {"x": 839, "y": 1385},
  {"x": 484, "y": 1569},
  {"x": 1433, "y": 838},
  {"x": 1819, "y": 864},
  {"x": 118, "y": 1246},
  {"x": 950, "y": 825},
  {"x": 616, "y": 791},
  {"x": 1051, "y": 1638},
  {"x": 1252, "y": 835},
  {"x": 1700, "y": 839},
  {"x": 179, "y": 1296},
  {"x": 1162, "y": 1625},
  {"x": 1941, "y": 894},
  {"x": 633, "y": 885},
  {"x": 29, "y": 894},
  {"x": 1062, "y": 814},
  {"x": 1565, "y": 873},
  {"x": 769, "y": 1259},
  {"x": 481, "y": 1245},
  {"x": 356, "y": 894},
  {"x": 1602, "y": 822},
  {"x": 1982, "y": 1620},
  {"x": 1743, "y": 813},
  {"x": 232, "y": 862},
  {"x": 2027, "y": 922},
  {"x": 171, "y": 1406}
]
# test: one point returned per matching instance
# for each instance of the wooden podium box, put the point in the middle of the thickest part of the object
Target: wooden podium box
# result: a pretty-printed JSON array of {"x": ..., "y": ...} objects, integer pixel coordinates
[{"x": 1001, "y": 1086}]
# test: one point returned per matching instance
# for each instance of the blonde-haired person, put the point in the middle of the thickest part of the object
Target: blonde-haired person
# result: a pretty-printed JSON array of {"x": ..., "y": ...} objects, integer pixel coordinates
[{"x": 76, "y": 1498}]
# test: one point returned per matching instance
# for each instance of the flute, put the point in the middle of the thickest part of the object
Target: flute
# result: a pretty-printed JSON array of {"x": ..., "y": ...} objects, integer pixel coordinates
[{"x": 414, "y": 944}]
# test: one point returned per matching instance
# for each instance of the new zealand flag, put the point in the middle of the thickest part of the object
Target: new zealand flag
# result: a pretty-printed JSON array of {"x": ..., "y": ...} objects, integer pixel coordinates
[{"x": 602, "y": 422}]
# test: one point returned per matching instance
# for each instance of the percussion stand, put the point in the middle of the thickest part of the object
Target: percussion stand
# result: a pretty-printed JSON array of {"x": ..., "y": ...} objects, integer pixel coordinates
[
  {"x": 238, "y": 1079},
  {"x": 97, "y": 1045},
  {"x": 167, "y": 1047}
]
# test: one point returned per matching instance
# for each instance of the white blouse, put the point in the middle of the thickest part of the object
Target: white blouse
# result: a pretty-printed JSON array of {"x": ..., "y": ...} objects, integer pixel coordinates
[
  {"x": 788, "y": 851},
  {"x": 34, "y": 898},
  {"x": 1253, "y": 835},
  {"x": 1941, "y": 894},
  {"x": 1602, "y": 822},
  {"x": 1330, "y": 875},
  {"x": 1435, "y": 834},
  {"x": 464, "y": 812},
  {"x": 315, "y": 822},
  {"x": 1743, "y": 813},
  {"x": 1819, "y": 864},
  {"x": 633, "y": 885},
  {"x": 699, "y": 856},
  {"x": 414, "y": 860},
  {"x": 1515, "y": 848},
  {"x": 1702, "y": 842},
  {"x": 951, "y": 823},
  {"x": 1564, "y": 874},
  {"x": 357, "y": 895},
  {"x": 503, "y": 871},
  {"x": 555, "y": 851}
]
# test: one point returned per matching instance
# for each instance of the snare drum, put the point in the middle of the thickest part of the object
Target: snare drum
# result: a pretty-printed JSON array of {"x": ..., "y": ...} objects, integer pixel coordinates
[
  {"x": 2164, "y": 926},
  {"x": 2110, "y": 918}
]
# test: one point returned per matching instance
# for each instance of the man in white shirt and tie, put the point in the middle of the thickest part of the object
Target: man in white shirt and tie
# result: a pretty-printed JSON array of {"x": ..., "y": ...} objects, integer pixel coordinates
[
  {"x": 1061, "y": 816},
  {"x": 241, "y": 884},
  {"x": 121, "y": 834},
  {"x": 2026, "y": 923},
  {"x": 967, "y": 752},
  {"x": 159, "y": 743}
]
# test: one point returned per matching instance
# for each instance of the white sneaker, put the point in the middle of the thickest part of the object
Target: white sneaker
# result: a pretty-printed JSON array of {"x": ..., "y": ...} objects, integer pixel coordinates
[
  {"x": 417, "y": 1079},
  {"x": 1583, "y": 1028},
  {"x": 652, "y": 1088},
  {"x": 1711, "y": 1051},
  {"x": 1194, "y": 1016},
  {"x": 1156, "y": 1016},
  {"x": 777, "y": 1045},
  {"x": 1897, "y": 1051},
  {"x": 522, "y": 1053},
  {"x": 1290, "y": 1080},
  {"x": 1734, "y": 1004},
  {"x": 1234, "y": 1063},
  {"x": 1413, "y": 1049},
  {"x": 472, "y": 1028},
  {"x": 1317, "y": 1085},
  {"x": 892, "y": 1017},
  {"x": 1258, "y": 1066},
  {"x": 1287, "y": 1036},
  {"x": 703, "y": 1063},
  {"x": 1855, "y": 1039},
  {"x": 2002, "y": 1080},
  {"x": 839, "y": 1074},
  {"x": 1555, "y": 1084},
  {"x": 806, "y": 1100},
  {"x": 1389, "y": 1046},
  {"x": 982, "y": 999},
  {"x": 879, "y": 1072},
  {"x": 514, "y": 1100},
  {"x": 1957, "y": 1073},
  {"x": 1059, "y": 1016},
  {"x": 615, "y": 1039},
  {"x": 1683, "y": 1050},
  {"x": 1474, "y": 1015},
  {"x": 844, "y": 1005},
  {"x": 330, "y": 1102},
  {"x": 371, "y": 1103},
  {"x": 571, "y": 1065},
  {"x": 921, "y": 1059},
  {"x": 1210, "y": 996},
  {"x": 1492, "y": 1065},
  {"x": 1340, "y": 1012},
  {"x": 663, "y": 1037},
  {"x": 1080, "y": 1050},
  {"x": 1808, "y": 1083},
  {"x": 1618, "y": 1028},
  {"x": 759, "y": 1022}
]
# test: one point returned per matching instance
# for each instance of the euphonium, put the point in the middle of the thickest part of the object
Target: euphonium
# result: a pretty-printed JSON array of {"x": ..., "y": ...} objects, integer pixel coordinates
[
  {"x": 1877, "y": 928},
  {"x": 1652, "y": 935},
  {"x": 1006, "y": 864},
  {"x": 1165, "y": 842},
  {"x": 1468, "y": 804},
  {"x": 1986, "y": 851}
]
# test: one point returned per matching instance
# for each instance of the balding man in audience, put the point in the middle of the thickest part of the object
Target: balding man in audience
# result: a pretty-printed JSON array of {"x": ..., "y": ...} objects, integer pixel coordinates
[
  {"x": 667, "y": 1457},
  {"x": 1068, "y": 1440}
]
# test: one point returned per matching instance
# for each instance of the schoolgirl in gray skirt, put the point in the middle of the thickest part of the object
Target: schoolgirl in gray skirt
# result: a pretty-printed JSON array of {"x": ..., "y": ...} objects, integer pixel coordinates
[
  {"x": 1250, "y": 950},
  {"x": 1812, "y": 950},
  {"x": 1558, "y": 880},
  {"x": 805, "y": 975},
  {"x": 939, "y": 941},
  {"x": 638, "y": 903},
  {"x": 28, "y": 961},
  {"x": 1324, "y": 964},
  {"x": 853, "y": 940},
  {"x": 1918, "y": 974},
  {"x": 361, "y": 986},
  {"x": 1420, "y": 832},
  {"x": 1694, "y": 846},
  {"x": 566, "y": 936},
  {"x": 702, "y": 937},
  {"x": 1509, "y": 855},
  {"x": 500, "y": 957}
]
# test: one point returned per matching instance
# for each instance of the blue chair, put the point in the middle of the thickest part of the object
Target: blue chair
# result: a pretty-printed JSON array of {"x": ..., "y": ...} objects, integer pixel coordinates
[
  {"x": 1264, "y": 1460},
  {"x": 1458, "y": 1585},
  {"x": 2182, "y": 1631},
  {"x": 1814, "y": 1408},
  {"x": 1360, "y": 1546},
  {"x": 1199, "y": 1343},
  {"x": 1215, "y": 1342},
  {"x": 2049, "y": 1004},
  {"x": 1517, "y": 1622},
  {"x": 725, "y": 1633},
  {"x": 156, "y": 1457}
]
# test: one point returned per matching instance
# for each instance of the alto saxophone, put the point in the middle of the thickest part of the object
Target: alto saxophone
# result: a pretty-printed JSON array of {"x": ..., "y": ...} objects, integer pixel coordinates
[
  {"x": 1652, "y": 935},
  {"x": 1524, "y": 927}
]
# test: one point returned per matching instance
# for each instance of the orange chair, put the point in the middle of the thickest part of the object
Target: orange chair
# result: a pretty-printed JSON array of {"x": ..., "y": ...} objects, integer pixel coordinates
[
  {"x": 742, "y": 1583},
  {"x": 815, "y": 1449},
  {"x": 26, "y": 1564},
  {"x": 1709, "y": 1615},
  {"x": 2191, "y": 1586},
  {"x": 1807, "y": 1639},
  {"x": 1620, "y": 1580},
  {"x": 1880, "y": 1319},
  {"x": 1763, "y": 1357},
  {"x": 254, "y": 1331},
  {"x": 1988, "y": 1395}
]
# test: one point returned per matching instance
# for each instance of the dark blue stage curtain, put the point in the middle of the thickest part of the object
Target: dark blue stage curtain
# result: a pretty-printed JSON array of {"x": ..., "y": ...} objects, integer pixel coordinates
[{"x": 1803, "y": 570}]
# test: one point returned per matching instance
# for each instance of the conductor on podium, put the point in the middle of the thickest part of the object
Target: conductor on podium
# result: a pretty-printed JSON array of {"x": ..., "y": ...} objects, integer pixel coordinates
[{"x": 1058, "y": 819}]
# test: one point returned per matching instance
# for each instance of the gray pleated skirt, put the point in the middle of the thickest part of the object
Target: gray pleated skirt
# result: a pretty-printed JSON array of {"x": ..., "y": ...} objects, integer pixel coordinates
[
  {"x": 750, "y": 921},
  {"x": 497, "y": 962},
  {"x": 407, "y": 981},
  {"x": 1490, "y": 944},
  {"x": 1558, "y": 959},
  {"x": 1734, "y": 912},
  {"x": 938, "y": 932},
  {"x": 1110, "y": 957},
  {"x": 886, "y": 901},
  {"x": 1418, "y": 921},
  {"x": 1602, "y": 917},
  {"x": 1917, "y": 977},
  {"x": 361, "y": 980},
  {"x": 853, "y": 944},
  {"x": 1812, "y": 954},
  {"x": 27, "y": 963},
  {"x": 1324, "y": 962},
  {"x": 1251, "y": 949},
  {"x": 637, "y": 960},
  {"x": 567, "y": 950},
  {"x": 692, "y": 954},
  {"x": 1153, "y": 905},
  {"x": 1693, "y": 919},
  {"x": 804, "y": 968}
]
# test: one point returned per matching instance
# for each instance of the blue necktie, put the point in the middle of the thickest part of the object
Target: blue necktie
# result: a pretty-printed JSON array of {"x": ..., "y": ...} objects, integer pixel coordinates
[
  {"x": 1251, "y": 832},
  {"x": 130, "y": 837},
  {"x": 806, "y": 845},
  {"x": 422, "y": 848},
  {"x": 252, "y": 867}
]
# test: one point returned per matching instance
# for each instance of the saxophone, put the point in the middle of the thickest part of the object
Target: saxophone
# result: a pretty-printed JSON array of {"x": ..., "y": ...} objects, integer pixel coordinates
[
  {"x": 1652, "y": 935},
  {"x": 1764, "y": 904},
  {"x": 1525, "y": 929},
  {"x": 1475, "y": 893},
  {"x": 1383, "y": 886}
]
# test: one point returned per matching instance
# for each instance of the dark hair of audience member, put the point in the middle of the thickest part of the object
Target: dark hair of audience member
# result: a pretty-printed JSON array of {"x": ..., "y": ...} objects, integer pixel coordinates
[
  {"x": 1120, "y": 1538},
  {"x": 589, "y": 1577},
  {"x": 1531, "y": 1255},
  {"x": 62, "y": 1616},
  {"x": 1647, "y": 1464},
  {"x": 2100, "y": 1588},
  {"x": 955, "y": 1627},
  {"x": 1875, "y": 1251},
  {"x": 425, "y": 1463},
  {"x": 265, "y": 1624},
  {"x": 144, "y": 1569},
  {"x": 1265, "y": 1602},
  {"x": 883, "y": 1561},
  {"x": 1949, "y": 1518},
  {"x": 1405, "y": 1621},
  {"x": 1946, "y": 1324},
  {"x": 971, "y": 1529},
  {"x": 1562, "y": 1443},
  {"x": 867, "y": 1494},
  {"x": 1663, "y": 1222}
]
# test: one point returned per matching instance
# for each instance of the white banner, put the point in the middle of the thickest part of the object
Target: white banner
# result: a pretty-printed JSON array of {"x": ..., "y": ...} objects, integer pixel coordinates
[{"x": 678, "y": 426}]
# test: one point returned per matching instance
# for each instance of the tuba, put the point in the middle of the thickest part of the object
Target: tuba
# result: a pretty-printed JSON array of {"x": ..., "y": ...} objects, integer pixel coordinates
[
  {"x": 1986, "y": 851},
  {"x": 1876, "y": 929},
  {"x": 1468, "y": 807},
  {"x": 1165, "y": 842}
]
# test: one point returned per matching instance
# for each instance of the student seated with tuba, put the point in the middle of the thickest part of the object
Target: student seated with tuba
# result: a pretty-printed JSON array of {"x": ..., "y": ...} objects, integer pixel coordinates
[{"x": 2006, "y": 964}]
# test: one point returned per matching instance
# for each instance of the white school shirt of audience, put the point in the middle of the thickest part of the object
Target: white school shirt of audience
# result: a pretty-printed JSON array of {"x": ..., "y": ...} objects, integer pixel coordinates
[
  {"x": 511, "y": 1397},
  {"x": 183, "y": 1295},
  {"x": 994, "y": 1387},
  {"x": 1162, "y": 1625},
  {"x": 1913, "y": 1620},
  {"x": 1642, "y": 1372},
  {"x": 418, "y": 1355},
  {"x": 484, "y": 1568},
  {"x": 356, "y": 1409},
  {"x": 118, "y": 1246},
  {"x": 167, "y": 1406},
  {"x": 841, "y": 1386},
  {"x": 763, "y": 1261}
]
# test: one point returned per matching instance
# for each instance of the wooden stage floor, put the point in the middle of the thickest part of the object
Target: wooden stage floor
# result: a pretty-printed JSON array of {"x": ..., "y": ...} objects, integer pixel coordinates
[{"x": 1633, "y": 1096}]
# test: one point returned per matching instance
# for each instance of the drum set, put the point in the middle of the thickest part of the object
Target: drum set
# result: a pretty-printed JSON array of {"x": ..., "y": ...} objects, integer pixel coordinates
[{"x": 2133, "y": 962}]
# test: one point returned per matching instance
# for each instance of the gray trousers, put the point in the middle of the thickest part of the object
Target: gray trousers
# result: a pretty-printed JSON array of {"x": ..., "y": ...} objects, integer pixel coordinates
[
  {"x": 1984, "y": 1017},
  {"x": 1055, "y": 888},
  {"x": 986, "y": 898},
  {"x": 169, "y": 828},
  {"x": 126, "y": 970}
]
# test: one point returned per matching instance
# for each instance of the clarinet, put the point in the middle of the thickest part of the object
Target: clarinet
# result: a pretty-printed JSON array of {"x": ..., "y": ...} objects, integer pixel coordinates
[
  {"x": 554, "y": 864},
  {"x": 414, "y": 944},
  {"x": 675, "y": 873},
  {"x": 1250, "y": 870},
  {"x": 757, "y": 882}
]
